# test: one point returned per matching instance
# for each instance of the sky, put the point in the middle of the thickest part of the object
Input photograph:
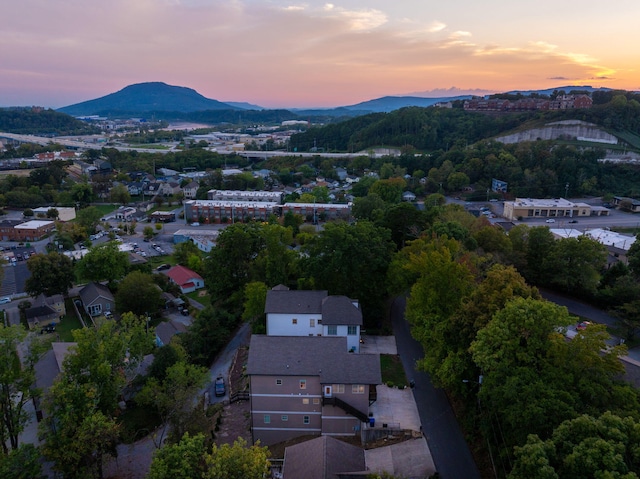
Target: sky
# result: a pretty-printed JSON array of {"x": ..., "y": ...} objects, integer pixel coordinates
[{"x": 286, "y": 54}]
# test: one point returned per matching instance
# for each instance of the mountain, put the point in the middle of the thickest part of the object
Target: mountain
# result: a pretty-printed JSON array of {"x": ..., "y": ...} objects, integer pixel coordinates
[
  {"x": 244, "y": 105},
  {"x": 390, "y": 103},
  {"x": 145, "y": 98}
]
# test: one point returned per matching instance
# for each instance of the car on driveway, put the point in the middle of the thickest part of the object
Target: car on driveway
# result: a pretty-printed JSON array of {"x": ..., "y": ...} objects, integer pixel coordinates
[
  {"x": 583, "y": 325},
  {"x": 220, "y": 389},
  {"x": 163, "y": 267},
  {"x": 49, "y": 328}
]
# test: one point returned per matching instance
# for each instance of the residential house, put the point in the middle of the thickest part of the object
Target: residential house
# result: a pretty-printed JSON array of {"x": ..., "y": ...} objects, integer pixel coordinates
[
  {"x": 324, "y": 458},
  {"x": 97, "y": 299},
  {"x": 189, "y": 191},
  {"x": 135, "y": 188},
  {"x": 185, "y": 278},
  {"x": 167, "y": 330},
  {"x": 408, "y": 196},
  {"x": 169, "y": 188},
  {"x": 47, "y": 369},
  {"x": 302, "y": 385},
  {"x": 313, "y": 313},
  {"x": 45, "y": 310}
]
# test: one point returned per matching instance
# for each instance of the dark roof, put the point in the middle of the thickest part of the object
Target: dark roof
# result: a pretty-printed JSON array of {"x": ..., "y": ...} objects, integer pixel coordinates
[
  {"x": 294, "y": 302},
  {"x": 41, "y": 314},
  {"x": 93, "y": 291},
  {"x": 322, "y": 458},
  {"x": 340, "y": 310},
  {"x": 325, "y": 356},
  {"x": 168, "y": 329}
]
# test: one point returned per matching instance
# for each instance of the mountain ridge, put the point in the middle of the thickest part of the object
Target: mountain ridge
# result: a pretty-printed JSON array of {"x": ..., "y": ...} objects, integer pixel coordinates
[{"x": 148, "y": 96}]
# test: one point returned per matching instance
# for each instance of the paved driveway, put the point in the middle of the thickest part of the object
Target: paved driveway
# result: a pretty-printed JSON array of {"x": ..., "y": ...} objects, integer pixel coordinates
[{"x": 449, "y": 449}]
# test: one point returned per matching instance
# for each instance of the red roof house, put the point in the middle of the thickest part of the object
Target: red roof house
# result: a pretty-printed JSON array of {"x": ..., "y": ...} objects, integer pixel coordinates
[{"x": 185, "y": 278}]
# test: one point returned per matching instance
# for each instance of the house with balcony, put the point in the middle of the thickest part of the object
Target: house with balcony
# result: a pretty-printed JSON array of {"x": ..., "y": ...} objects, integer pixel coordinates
[
  {"x": 313, "y": 313},
  {"x": 303, "y": 385}
]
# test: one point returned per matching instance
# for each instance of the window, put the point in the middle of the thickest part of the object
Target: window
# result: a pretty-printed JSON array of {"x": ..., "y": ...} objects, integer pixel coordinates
[
  {"x": 284, "y": 418},
  {"x": 278, "y": 382},
  {"x": 312, "y": 323},
  {"x": 294, "y": 321},
  {"x": 316, "y": 400},
  {"x": 319, "y": 321},
  {"x": 357, "y": 388},
  {"x": 305, "y": 419},
  {"x": 332, "y": 330},
  {"x": 352, "y": 330},
  {"x": 338, "y": 388},
  {"x": 303, "y": 384},
  {"x": 305, "y": 401},
  {"x": 267, "y": 419}
]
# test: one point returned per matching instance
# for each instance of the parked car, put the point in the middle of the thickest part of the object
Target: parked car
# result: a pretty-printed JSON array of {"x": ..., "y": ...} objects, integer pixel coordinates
[
  {"x": 550, "y": 220},
  {"x": 5, "y": 300},
  {"x": 163, "y": 267},
  {"x": 220, "y": 389},
  {"x": 573, "y": 221},
  {"x": 184, "y": 312},
  {"x": 49, "y": 328},
  {"x": 583, "y": 325}
]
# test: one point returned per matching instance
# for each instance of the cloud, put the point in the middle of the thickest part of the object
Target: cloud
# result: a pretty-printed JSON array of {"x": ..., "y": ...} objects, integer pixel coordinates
[
  {"x": 286, "y": 53},
  {"x": 436, "y": 26},
  {"x": 560, "y": 78}
]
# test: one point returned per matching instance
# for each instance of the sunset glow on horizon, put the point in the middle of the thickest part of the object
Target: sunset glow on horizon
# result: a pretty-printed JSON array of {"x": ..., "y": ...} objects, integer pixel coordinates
[{"x": 279, "y": 53}]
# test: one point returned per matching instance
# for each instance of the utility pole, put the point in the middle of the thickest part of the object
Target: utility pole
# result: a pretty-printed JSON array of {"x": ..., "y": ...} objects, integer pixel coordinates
[{"x": 566, "y": 190}]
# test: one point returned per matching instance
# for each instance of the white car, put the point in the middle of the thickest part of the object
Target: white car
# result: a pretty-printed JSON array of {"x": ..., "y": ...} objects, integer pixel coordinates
[
  {"x": 5, "y": 300},
  {"x": 550, "y": 220}
]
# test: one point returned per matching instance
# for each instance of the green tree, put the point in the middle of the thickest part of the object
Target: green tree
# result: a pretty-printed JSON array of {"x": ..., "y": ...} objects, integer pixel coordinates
[
  {"x": 341, "y": 255},
  {"x": 22, "y": 463},
  {"x": 389, "y": 190},
  {"x": 82, "y": 193},
  {"x": 575, "y": 264},
  {"x": 16, "y": 385},
  {"x": 188, "y": 254},
  {"x": 172, "y": 397},
  {"x": 237, "y": 461},
  {"x": 104, "y": 262},
  {"x": 89, "y": 218},
  {"x": 207, "y": 334},
  {"x": 584, "y": 447},
  {"x": 120, "y": 194},
  {"x": 138, "y": 294},
  {"x": 370, "y": 207},
  {"x": 51, "y": 274},
  {"x": 228, "y": 266},
  {"x": 147, "y": 232},
  {"x": 444, "y": 282},
  {"x": 183, "y": 460},
  {"x": 255, "y": 294}
]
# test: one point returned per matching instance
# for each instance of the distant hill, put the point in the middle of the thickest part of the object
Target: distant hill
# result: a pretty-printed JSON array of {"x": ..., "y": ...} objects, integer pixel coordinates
[
  {"x": 244, "y": 105},
  {"x": 35, "y": 121},
  {"x": 390, "y": 103},
  {"x": 147, "y": 97}
]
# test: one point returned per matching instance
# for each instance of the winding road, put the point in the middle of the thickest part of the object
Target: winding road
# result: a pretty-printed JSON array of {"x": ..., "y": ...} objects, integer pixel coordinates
[{"x": 448, "y": 446}]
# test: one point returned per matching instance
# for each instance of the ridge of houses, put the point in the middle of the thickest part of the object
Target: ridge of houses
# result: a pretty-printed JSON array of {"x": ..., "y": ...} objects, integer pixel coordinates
[{"x": 562, "y": 102}]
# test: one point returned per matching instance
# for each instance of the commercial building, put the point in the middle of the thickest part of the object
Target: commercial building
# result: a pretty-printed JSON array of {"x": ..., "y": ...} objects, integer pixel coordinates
[
  {"x": 215, "y": 211},
  {"x": 549, "y": 208}
]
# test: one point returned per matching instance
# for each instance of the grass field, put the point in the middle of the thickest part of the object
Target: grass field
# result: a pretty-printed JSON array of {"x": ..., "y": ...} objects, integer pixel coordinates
[{"x": 392, "y": 370}]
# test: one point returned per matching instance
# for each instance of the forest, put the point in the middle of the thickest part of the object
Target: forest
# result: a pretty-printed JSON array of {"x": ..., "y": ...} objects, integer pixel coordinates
[{"x": 46, "y": 122}]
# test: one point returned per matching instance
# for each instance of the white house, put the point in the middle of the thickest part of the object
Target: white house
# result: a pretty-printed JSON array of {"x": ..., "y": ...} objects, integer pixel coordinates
[{"x": 313, "y": 313}]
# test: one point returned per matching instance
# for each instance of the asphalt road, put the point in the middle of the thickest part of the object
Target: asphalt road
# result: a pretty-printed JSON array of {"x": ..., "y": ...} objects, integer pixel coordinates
[{"x": 449, "y": 449}]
